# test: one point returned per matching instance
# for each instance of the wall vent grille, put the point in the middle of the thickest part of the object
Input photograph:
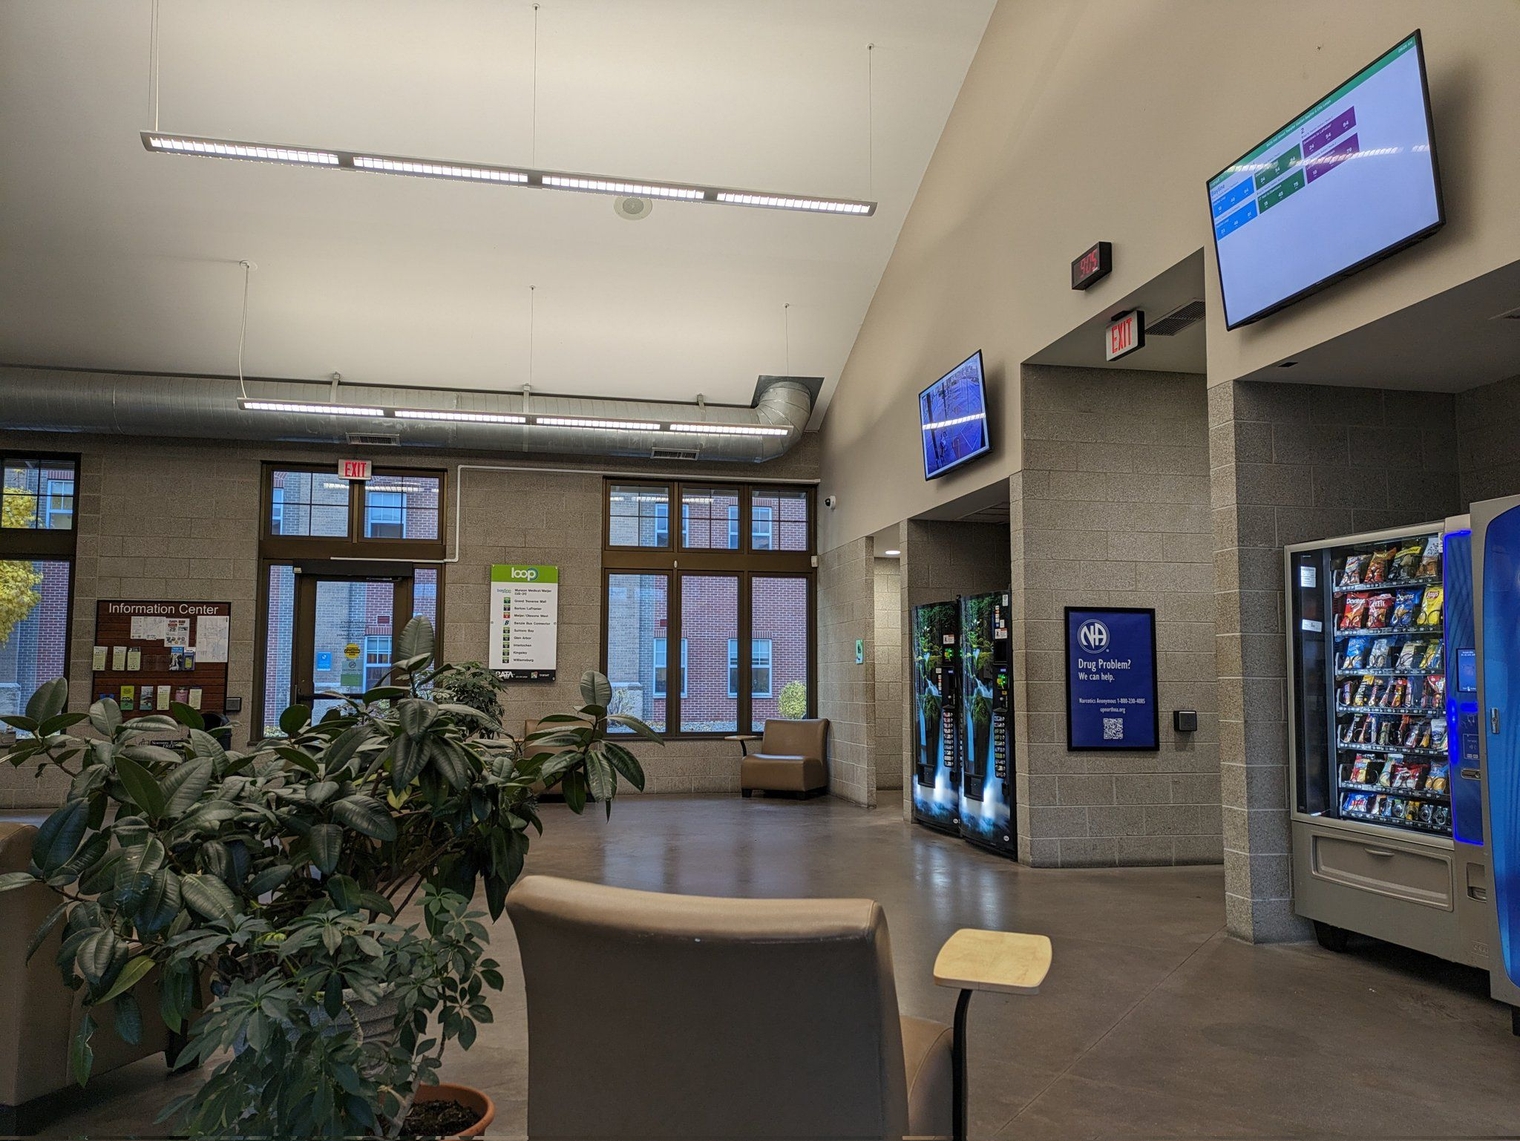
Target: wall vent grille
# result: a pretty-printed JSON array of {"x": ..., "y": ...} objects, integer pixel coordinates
[
  {"x": 1186, "y": 315},
  {"x": 374, "y": 439}
]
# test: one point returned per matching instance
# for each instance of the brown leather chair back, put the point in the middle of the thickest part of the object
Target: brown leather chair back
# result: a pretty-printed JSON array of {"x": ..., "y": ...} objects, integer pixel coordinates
[
  {"x": 786, "y": 738},
  {"x": 668, "y": 1016},
  {"x": 34, "y": 1003}
]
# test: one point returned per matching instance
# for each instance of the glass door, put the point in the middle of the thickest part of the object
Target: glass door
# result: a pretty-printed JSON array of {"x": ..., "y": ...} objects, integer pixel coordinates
[{"x": 344, "y": 630}]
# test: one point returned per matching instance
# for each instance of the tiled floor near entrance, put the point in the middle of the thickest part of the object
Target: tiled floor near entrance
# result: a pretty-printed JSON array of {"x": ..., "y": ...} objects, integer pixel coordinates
[{"x": 1153, "y": 1023}]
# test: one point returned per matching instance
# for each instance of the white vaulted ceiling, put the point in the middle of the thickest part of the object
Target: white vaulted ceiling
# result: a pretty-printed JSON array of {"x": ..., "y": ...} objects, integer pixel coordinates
[{"x": 113, "y": 258}]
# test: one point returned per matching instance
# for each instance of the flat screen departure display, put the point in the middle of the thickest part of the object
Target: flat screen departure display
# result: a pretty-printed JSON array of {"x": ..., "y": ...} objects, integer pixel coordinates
[
  {"x": 1350, "y": 180},
  {"x": 952, "y": 417}
]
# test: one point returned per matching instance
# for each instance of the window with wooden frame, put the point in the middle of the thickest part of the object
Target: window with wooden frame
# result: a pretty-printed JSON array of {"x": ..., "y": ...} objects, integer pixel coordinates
[
  {"x": 735, "y": 570},
  {"x": 39, "y": 495}
]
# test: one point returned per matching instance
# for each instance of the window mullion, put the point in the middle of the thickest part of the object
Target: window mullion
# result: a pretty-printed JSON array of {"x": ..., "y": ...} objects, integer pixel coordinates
[{"x": 675, "y": 666}]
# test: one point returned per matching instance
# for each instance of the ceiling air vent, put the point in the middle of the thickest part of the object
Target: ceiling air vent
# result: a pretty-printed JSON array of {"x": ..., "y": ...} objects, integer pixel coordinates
[
  {"x": 1186, "y": 315},
  {"x": 1511, "y": 315},
  {"x": 674, "y": 453},
  {"x": 375, "y": 439}
]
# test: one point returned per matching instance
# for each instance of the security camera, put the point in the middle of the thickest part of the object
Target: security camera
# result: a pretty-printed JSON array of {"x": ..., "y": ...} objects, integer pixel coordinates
[{"x": 831, "y": 501}]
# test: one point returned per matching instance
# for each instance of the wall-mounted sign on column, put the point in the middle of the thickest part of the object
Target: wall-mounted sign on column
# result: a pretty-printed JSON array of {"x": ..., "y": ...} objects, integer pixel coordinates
[
  {"x": 525, "y": 622},
  {"x": 1111, "y": 698},
  {"x": 1125, "y": 335},
  {"x": 353, "y": 469}
]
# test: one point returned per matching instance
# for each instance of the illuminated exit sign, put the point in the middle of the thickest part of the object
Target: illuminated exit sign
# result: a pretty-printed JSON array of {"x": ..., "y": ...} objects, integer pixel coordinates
[
  {"x": 354, "y": 469},
  {"x": 1125, "y": 334}
]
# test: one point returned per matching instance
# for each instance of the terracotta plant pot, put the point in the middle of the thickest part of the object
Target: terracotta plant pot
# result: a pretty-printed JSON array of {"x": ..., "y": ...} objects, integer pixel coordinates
[{"x": 465, "y": 1095}]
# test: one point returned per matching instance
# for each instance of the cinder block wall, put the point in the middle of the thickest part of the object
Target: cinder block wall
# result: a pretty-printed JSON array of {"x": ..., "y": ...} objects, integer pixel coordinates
[
  {"x": 1111, "y": 509},
  {"x": 1293, "y": 463},
  {"x": 180, "y": 520},
  {"x": 846, "y": 689},
  {"x": 1488, "y": 458},
  {"x": 888, "y": 764}
]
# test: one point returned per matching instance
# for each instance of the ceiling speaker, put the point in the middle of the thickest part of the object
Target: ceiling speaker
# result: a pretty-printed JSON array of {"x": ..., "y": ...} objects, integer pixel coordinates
[{"x": 632, "y": 208}]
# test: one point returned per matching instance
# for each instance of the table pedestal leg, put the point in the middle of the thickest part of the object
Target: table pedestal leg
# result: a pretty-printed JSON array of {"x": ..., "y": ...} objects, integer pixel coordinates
[{"x": 958, "y": 1068}]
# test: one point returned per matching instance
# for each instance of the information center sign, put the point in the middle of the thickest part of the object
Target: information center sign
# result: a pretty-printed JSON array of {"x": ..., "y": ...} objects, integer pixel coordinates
[
  {"x": 525, "y": 622},
  {"x": 1111, "y": 698}
]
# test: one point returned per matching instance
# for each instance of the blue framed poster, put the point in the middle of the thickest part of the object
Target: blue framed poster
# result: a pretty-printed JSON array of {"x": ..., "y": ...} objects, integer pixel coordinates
[{"x": 1111, "y": 700}]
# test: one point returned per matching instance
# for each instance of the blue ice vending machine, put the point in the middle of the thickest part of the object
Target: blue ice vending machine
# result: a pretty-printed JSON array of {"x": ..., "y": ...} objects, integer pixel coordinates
[{"x": 1496, "y": 721}]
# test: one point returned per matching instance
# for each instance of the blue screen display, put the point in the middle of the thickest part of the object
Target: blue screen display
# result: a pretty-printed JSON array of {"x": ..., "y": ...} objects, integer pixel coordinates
[
  {"x": 1350, "y": 179},
  {"x": 952, "y": 416}
]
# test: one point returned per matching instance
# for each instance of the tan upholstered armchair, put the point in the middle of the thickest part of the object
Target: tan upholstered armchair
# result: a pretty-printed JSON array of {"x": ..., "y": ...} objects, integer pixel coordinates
[
  {"x": 701, "y": 1018},
  {"x": 790, "y": 758},
  {"x": 38, "y": 1014}
]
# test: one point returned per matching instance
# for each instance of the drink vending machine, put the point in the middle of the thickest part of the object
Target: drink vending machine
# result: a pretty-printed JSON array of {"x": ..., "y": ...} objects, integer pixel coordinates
[
  {"x": 963, "y": 779},
  {"x": 935, "y": 723},
  {"x": 986, "y": 784}
]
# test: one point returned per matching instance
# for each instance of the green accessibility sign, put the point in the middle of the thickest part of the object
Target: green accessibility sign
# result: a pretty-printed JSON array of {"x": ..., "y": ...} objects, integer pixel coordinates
[{"x": 524, "y": 575}]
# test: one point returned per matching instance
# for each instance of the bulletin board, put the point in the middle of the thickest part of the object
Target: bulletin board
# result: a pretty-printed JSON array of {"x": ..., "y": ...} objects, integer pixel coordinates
[{"x": 147, "y": 654}]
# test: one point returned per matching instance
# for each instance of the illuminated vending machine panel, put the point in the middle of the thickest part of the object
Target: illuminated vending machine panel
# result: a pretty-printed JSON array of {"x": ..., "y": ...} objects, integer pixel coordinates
[
  {"x": 986, "y": 785},
  {"x": 935, "y": 720},
  {"x": 1371, "y": 717}
]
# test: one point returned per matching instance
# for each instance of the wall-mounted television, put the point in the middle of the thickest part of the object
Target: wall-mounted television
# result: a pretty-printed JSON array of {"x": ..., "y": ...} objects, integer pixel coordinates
[
  {"x": 952, "y": 418},
  {"x": 1350, "y": 180}
]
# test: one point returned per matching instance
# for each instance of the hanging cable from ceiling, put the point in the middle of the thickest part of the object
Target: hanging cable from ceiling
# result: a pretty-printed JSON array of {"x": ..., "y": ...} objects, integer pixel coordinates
[
  {"x": 248, "y": 268},
  {"x": 153, "y": 65},
  {"x": 786, "y": 332},
  {"x": 870, "y": 120},
  {"x": 533, "y": 146}
]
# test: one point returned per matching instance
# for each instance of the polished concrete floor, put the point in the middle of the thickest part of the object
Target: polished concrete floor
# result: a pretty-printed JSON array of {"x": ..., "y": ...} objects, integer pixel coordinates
[{"x": 1153, "y": 1023}]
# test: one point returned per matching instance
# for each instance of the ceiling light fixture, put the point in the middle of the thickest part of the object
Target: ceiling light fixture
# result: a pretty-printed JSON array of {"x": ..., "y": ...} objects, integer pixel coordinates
[
  {"x": 158, "y": 142},
  {"x": 730, "y": 429},
  {"x": 461, "y": 417},
  {"x": 891, "y": 554},
  {"x": 578, "y": 422},
  {"x": 309, "y": 406}
]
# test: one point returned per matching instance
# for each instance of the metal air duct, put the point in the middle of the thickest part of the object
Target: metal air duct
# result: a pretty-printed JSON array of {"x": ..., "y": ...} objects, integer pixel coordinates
[{"x": 49, "y": 400}]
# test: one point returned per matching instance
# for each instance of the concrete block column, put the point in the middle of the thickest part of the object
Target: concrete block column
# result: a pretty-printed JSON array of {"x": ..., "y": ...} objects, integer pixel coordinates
[{"x": 1289, "y": 464}]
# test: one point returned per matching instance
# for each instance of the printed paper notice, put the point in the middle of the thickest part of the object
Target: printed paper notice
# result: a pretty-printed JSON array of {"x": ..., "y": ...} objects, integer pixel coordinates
[
  {"x": 525, "y": 621},
  {"x": 211, "y": 637},
  {"x": 176, "y": 631},
  {"x": 148, "y": 628}
]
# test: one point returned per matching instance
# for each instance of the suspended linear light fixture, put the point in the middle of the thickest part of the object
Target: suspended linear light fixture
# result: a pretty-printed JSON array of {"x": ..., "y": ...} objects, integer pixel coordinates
[
  {"x": 460, "y": 417},
  {"x": 730, "y": 429},
  {"x": 309, "y": 406},
  {"x": 604, "y": 425},
  {"x": 158, "y": 142}
]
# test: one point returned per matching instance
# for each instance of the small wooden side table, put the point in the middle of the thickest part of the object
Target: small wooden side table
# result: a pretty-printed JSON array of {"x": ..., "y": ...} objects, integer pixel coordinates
[
  {"x": 1006, "y": 962},
  {"x": 744, "y": 739}
]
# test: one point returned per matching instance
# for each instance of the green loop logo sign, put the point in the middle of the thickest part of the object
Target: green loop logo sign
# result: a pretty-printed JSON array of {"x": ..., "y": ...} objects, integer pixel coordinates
[{"x": 524, "y": 574}]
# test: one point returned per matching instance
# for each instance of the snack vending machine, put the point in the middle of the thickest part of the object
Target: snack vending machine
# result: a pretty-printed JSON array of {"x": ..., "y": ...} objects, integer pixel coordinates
[
  {"x": 986, "y": 784},
  {"x": 936, "y": 738},
  {"x": 1375, "y": 622}
]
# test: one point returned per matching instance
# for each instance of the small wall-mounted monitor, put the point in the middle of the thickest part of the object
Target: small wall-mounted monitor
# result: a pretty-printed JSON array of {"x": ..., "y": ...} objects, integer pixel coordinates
[
  {"x": 1347, "y": 182},
  {"x": 952, "y": 418}
]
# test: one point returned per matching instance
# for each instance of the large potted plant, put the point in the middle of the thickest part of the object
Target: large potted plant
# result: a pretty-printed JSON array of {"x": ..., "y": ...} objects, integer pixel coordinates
[{"x": 261, "y": 893}]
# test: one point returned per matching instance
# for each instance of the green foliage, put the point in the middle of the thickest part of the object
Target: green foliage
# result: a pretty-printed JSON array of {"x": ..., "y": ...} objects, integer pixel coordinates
[
  {"x": 274, "y": 875},
  {"x": 792, "y": 703},
  {"x": 981, "y": 710},
  {"x": 470, "y": 683},
  {"x": 931, "y": 707}
]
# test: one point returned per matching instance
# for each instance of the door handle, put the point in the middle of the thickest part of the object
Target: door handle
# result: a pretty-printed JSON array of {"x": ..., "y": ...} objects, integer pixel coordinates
[
  {"x": 1384, "y": 853},
  {"x": 1493, "y": 719}
]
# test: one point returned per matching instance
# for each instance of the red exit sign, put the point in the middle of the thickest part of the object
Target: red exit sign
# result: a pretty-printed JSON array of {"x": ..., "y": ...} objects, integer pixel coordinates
[
  {"x": 1126, "y": 333},
  {"x": 354, "y": 469}
]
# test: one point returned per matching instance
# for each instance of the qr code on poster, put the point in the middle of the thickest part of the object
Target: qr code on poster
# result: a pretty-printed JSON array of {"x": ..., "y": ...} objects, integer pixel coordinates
[{"x": 1113, "y": 728}]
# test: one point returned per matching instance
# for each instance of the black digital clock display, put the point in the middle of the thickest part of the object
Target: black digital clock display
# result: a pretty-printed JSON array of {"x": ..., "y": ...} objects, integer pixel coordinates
[{"x": 1093, "y": 266}]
